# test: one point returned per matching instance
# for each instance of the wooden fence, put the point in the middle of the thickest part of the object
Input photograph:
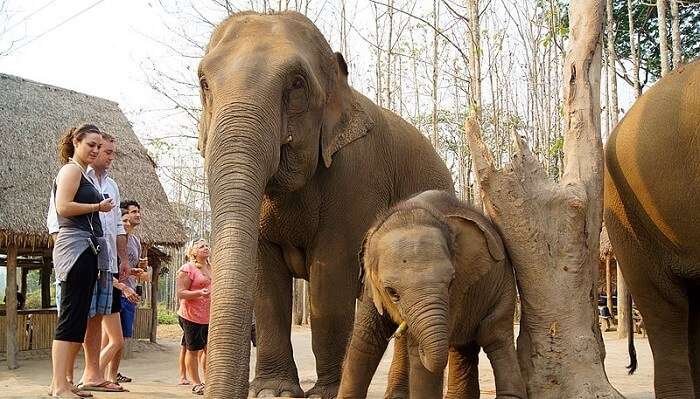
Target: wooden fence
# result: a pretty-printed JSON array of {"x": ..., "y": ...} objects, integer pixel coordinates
[{"x": 35, "y": 329}]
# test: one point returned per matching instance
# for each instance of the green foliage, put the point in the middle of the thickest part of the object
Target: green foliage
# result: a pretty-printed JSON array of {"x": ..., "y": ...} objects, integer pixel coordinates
[
  {"x": 165, "y": 316},
  {"x": 646, "y": 29}
]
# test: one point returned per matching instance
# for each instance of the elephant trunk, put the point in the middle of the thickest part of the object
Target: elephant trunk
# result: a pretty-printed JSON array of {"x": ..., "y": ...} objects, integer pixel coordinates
[
  {"x": 427, "y": 319},
  {"x": 239, "y": 163}
]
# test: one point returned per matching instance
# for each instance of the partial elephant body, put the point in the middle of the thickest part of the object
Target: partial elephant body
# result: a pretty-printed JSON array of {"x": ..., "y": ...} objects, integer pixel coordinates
[
  {"x": 406, "y": 280},
  {"x": 652, "y": 171},
  {"x": 299, "y": 164}
]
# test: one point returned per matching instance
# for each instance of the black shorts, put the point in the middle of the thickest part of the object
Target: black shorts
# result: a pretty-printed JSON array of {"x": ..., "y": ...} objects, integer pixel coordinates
[
  {"x": 116, "y": 298},
  {"x": 76, "y": 296},
  {"x": 194, "y": 336}
]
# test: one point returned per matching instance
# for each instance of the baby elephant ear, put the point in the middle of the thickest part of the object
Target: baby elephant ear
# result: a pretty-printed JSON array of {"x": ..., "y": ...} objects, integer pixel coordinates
[
  {"x": 367, "y": 277},
  {"x": 478, "y": 247}
]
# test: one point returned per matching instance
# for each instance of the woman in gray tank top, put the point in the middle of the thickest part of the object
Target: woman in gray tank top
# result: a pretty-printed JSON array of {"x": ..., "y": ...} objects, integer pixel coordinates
[{"x": 76, "y": 249}]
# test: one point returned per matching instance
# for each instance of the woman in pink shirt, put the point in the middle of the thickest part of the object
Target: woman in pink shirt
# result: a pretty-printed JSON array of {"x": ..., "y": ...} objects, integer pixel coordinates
[{"x": 193, "y": 290}]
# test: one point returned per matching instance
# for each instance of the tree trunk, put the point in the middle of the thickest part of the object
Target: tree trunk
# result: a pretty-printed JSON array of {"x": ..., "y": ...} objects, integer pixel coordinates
[
  {"x": 11, "y": 347},
  {"x": 552, "y": 230},
  {"x": 612, "y": 57},
  {"x": 663, "y": 36},
  {"x": 675, "y": 34},
  {"x": 475, "y": 77},
  {"x": 435, "y": 134},
  {"x": 634, "y": 54},
  {"x": 389, "y": 60}
]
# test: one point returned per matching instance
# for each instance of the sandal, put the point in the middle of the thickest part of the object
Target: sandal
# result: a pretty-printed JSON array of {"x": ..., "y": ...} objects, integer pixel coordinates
[
  {"x": 198, "y": 389},
  {"x": 122, "y": 378},
  {"x": 184, "y": 381},
  {"x": 106, "y": 386}
]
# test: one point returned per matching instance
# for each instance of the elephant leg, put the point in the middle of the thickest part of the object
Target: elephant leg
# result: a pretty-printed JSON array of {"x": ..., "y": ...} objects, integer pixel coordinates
[
  {"x": 667, "y": 326},
  {"x": 694, "y": 334},
  {"x": 333, "y": 290},
  {"x": 423, "y": 384},
  {"x": 275, "y": 370},
  {"x": 495, "y": 335},
  {"x": 397, "y": 380},
  {"x": 463, "y": 372},
  {"x": 370, "y": 337}
]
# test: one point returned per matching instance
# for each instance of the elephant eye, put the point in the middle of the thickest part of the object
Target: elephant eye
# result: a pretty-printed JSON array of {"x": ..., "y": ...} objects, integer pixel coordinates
[
  {"x": 297, "y": 83},
  {"x": 296, "y": 97},
  {"x": 203, "y": 83},
  {"x": 392, "y": 294}
]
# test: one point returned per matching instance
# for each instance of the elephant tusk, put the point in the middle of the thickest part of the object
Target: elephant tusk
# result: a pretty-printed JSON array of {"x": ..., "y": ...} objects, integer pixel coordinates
[{"x": 400, "y": 330}]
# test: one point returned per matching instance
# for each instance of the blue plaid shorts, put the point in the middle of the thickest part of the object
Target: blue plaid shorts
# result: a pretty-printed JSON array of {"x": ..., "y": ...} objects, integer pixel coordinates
[{"x": 102, "y": 295}]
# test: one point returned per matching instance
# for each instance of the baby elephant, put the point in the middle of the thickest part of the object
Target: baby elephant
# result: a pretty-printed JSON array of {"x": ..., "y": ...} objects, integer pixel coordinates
[{"x": 438, "y": 268}]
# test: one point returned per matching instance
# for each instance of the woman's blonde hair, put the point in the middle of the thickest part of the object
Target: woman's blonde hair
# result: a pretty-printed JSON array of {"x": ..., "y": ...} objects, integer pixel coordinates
[{"x": 190, "y": 254}]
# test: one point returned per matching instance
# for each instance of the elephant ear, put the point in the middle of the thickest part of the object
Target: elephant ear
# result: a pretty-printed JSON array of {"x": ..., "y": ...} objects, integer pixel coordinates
[
  {"x": 472, "y": 232},
  {"x": 344, "y": 119},
  {"x": 367, "y": 270}
]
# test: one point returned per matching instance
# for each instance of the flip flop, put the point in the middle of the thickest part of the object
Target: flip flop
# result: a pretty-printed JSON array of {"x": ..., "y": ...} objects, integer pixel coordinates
[
  {"x": 185, "y": 382},
  {"x": 198, "y": 389},
  {"x": 106, "y": 386}
]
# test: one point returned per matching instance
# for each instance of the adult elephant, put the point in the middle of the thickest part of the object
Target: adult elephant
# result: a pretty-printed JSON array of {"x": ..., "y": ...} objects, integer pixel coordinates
[
  {"x": 298, "y": 164},
  {"x": 652, "y": 186}
]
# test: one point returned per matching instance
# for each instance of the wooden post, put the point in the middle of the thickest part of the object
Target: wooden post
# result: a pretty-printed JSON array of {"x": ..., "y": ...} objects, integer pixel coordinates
[
  {"x": 45, "y": 278},
  {"x": 622, "y": 315},
  {"x": 608, "y": 284},
  {"x": 154, "y": 300},
  {"x": 11, "y": 307},
  {"x": 23, "y": 285},
  {"x": 298, "y": 302}
]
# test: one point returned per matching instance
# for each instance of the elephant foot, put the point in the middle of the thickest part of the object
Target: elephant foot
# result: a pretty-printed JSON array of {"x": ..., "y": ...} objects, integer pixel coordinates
[
  {"x": 396, "y": 392},
  {"x": 271, "y": 387},
  {"x": 323, "y": 391}
]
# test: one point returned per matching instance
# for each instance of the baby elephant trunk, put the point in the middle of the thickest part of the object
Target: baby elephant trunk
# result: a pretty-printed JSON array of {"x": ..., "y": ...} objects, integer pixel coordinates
[{"x": 427, "y": 321}]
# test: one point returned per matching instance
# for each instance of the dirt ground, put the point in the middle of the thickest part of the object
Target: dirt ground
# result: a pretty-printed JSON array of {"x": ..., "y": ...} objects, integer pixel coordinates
[{"x": 154, "y": 370}]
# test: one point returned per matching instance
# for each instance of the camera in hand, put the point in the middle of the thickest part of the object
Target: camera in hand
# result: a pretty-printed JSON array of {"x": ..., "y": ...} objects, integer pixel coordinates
[{"x": 139, "y": 290}]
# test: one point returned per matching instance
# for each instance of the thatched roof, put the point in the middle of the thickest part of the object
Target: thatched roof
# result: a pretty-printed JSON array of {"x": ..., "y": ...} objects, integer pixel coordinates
[{"x": 32, "y": 118}]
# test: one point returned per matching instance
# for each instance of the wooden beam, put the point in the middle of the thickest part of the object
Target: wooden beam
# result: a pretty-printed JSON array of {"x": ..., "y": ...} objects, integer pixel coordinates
[
  {"x": 11, "y": 307},
  {"x": 608, "y": 284},
  {"x": 45, "y": 279},
  {"x": 154, "y": 299},
  {"x": 23, "y": 286}
]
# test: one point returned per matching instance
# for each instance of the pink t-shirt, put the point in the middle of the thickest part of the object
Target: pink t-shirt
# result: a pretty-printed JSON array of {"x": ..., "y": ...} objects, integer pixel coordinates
[{"x": 195, "y": 310}]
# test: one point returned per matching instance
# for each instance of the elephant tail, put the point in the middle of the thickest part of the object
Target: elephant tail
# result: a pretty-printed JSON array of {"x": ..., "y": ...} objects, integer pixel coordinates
[{"x": 630, "y": 336}]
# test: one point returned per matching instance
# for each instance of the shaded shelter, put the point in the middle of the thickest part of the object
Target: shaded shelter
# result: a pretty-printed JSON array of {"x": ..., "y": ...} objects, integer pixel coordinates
[{"x": 32, "y": 118}]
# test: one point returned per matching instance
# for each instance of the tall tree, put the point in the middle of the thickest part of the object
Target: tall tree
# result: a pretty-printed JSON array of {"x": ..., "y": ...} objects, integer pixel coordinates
[
  {"x": 663, "y": 36},
  {"x": 675, "y": 34},
  {"x": 475, "y": 76},
  {"x": 634, "y": 55},
  {"x": 552, "y": 230},
  {"x": 435, "y": 138}
]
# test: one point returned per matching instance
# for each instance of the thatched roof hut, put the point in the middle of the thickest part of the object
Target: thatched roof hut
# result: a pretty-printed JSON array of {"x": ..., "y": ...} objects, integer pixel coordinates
[{"x": 32, "y": 118}]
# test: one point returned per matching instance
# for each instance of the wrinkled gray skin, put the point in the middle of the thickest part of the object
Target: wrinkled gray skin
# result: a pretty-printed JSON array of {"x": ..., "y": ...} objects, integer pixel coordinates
[
  {"x": 298, "y": 166},
  {"x": 652, "y": 187},
  {"x": 441, "y": 267}
]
